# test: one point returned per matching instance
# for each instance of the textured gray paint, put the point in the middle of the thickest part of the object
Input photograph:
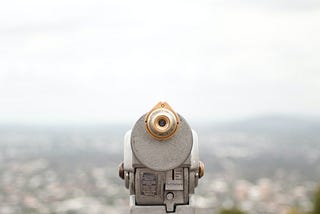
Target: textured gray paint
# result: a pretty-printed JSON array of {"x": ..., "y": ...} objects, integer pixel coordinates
[{"x": 161, "y": 155}]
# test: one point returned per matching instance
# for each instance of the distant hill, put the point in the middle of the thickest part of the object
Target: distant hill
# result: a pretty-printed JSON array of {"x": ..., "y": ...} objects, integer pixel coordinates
[{"x": 272, "y": 125}]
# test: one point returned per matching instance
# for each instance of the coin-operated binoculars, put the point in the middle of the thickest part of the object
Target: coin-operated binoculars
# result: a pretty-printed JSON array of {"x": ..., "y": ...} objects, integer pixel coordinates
[{"x": 161, "y": 164}]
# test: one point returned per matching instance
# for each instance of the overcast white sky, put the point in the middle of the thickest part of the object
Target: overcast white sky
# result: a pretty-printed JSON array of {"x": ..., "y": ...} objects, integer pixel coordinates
[{"x": 111, "y": 61}]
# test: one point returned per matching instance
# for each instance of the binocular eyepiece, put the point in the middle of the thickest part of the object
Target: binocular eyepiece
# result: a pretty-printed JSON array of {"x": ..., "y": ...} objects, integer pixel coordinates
[{"x": 162, "y": 122}]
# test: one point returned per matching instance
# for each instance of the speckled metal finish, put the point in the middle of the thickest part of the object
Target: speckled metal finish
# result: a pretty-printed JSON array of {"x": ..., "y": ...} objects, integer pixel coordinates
[{"x": 161, "y": 155}]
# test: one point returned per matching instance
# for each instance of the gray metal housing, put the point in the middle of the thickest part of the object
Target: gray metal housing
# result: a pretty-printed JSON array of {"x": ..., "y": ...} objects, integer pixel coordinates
[{"x": 149, "y": 163}]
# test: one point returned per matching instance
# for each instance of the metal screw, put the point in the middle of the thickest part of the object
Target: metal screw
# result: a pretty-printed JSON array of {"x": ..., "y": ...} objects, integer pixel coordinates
[{"x": 170, "y": 195}]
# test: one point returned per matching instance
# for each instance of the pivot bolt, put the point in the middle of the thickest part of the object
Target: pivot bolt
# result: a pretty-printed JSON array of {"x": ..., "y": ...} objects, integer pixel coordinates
[
  {"x": 121, "y": 170},
  {"x": 201, "y": 169}
]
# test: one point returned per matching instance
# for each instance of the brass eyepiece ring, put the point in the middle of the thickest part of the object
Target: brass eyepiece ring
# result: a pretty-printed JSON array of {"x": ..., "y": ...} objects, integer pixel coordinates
[{"x": 162, "y": 122}]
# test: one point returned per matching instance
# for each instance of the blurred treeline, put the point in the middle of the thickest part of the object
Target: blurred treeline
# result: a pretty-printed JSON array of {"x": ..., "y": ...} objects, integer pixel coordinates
[{"x": 315, "y": 210}]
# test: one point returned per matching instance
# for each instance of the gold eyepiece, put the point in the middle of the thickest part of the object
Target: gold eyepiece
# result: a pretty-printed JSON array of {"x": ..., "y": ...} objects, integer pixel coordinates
[{"x": 162, "y": 122}]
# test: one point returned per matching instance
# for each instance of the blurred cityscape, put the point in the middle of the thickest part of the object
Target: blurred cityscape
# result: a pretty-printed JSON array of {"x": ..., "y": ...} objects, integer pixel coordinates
[{"x": 262, "y": 165}]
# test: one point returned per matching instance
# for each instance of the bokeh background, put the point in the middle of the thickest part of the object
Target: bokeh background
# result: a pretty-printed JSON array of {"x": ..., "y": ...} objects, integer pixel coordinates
[{"x": 75, "y": 75}]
